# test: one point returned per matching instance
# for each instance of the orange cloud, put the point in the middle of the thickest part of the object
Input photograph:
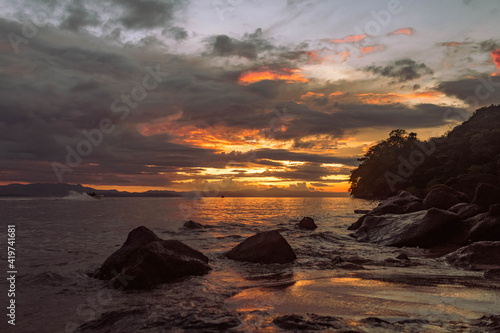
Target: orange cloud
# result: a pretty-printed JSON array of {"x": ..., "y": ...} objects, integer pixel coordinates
[
  {"x": 496, "y": 59},
  {"x": 344, "y": 55},
  {"x": 453, "y": 44},
  {"x": 289, "y": 75},
  {"x": 371, "y": 98},
  {"x": 337, "y": 93},
  {"x": 348, "y": 39},
  {"x": 311, "y": 94},
  {"x": 371, "y": 49},
  {"x": 405, "y": 31}
]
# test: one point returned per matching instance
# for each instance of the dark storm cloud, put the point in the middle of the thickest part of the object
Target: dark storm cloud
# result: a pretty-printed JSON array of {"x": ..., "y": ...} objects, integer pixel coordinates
[
  {"x": 489, "y": 45},
  {"x": 402, "y": 70},
  {"x": 285, "y": 155},
  {"x": 357, "y": 117},
  {"x": 249, "y": 47},
  {"x": 475, "y": 92},
  {"x": 143, "y": 14},
  {"x": 79, "y": 17}
]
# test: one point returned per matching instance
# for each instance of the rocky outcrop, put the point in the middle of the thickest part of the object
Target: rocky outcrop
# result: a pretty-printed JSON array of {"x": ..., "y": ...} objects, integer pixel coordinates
[
  {"x": 456, "y": 208},
  {"x": 307, "y": 223},
  {"x": 192, "y": 225},
  {"x": 484, "y": 227},
  {"x": 423, "y": 228},
  {"x": 468, "y": 183},
  {"x": 265, "y": 247},
  {"x": 469, "y": 211},
  {"x": 486, "y": 195},
  {"x": 443, "y": 197},
  {"x": 145, "y": 260},
  {"x": 476, "y": 256},
  {"x": 402, "y": 203}
]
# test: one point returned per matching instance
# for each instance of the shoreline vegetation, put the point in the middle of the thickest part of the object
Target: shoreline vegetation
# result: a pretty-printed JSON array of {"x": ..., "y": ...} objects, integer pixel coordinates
[{"x": 403, "y": 162}]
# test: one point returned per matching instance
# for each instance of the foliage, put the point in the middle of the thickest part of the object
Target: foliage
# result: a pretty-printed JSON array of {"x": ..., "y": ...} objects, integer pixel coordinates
[{"x": 471, "y": 147}]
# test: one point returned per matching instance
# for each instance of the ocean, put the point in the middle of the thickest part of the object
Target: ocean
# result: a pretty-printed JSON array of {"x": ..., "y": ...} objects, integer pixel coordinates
[{"x": 59, "y": 242}]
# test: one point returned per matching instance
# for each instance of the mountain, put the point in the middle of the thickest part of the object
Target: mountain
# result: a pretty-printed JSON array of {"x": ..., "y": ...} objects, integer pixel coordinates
[
  {"x": 62, "y": 190},
  {"x": 402, "y": 162}
]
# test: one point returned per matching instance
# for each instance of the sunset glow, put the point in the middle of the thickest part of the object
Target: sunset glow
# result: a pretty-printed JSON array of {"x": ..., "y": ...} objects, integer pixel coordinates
[
  {"x": 287, "y": 95},
  {"x": 288, "y": 75}
]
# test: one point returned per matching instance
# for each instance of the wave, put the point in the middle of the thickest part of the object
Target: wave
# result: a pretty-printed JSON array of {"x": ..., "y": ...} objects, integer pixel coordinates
[{"x": 78, "y": 196}]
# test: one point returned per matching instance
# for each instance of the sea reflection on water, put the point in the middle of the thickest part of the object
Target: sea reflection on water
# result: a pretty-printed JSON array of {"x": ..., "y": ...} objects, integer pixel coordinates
[{"x": 62, "y": 240}]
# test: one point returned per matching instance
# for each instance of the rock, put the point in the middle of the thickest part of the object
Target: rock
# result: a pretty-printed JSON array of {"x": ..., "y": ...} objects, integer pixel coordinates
[
  {"x": 492, "y": 274},
  {"x": 494, "y": 210},
  {"x": 402, "y": 256},
  {"x": 476, "y": 256},
  {"x": 469, "y": 211},
  {"x": 423, "y": 228},
  {"x": 456, "y": 208},
  {"x": 145, "y": 260},
  {"x": 265, "y": 247},
  {"x": 487, "y": 324},
  {"x": 193, "y": 225},
  {"x": 358, "y": 223},
  {"x": 484, "y": 227},
  {"x": 307, "y": 223},
  {"x": 486, "y": 195},
  {"x": 361, "y": 211},
  {"x": 468, "y": 183},
  {"x": 402, "y": 203},
  {"x": 313, "y": 322},
  {"x": 443, "y": 197}
]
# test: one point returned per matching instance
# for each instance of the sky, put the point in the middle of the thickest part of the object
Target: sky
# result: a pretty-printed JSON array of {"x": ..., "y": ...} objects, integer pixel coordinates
[{"x": 229, "y": 94}]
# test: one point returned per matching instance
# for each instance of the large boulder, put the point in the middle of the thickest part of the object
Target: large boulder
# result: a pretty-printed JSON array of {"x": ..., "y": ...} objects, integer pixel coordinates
[
  {"x": 265, "y": 247},
  {"x": 307, "y": 223},
  {"x": 145, "y": 260},
  {"x": 443, "y": 197},
  {"x": 434, "y": 227},
  {"x": 476, "y": 256},
  {"x": 402, "y": 203},
  {"x": 193, "y": 225},
  {"x": 486, "y": 195},
  {"x": 468, "y": 211},
  {"x": 484, "y": 227},
  {"x": 468, "y": 183}
]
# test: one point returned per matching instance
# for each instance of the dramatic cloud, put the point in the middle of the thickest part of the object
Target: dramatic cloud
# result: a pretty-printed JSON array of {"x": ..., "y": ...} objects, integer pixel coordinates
[
  {"x": 405, "y": 31},
  {"x": 403, "y": 70},
  {"x": 249, "y": 93}
]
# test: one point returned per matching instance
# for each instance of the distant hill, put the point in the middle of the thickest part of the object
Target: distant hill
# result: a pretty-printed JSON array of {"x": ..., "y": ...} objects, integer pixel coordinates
[
  {"x": 403, "y": 162},
  {"x": 62, "y": 190}
]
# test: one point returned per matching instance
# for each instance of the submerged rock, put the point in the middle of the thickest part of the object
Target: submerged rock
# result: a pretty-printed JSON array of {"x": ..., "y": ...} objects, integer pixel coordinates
[
  {"x": 307, "y": 223},
  {"x": 476, "y": 256},
  {"x": 402, "y": 203},
  {"x": 145, "y": 260},
  {"x": 265, "y": 247},
  {"x": 430, "y": 228},
  {"x": 443, "y": 197},
  {"x": 193, "y": 225}
]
